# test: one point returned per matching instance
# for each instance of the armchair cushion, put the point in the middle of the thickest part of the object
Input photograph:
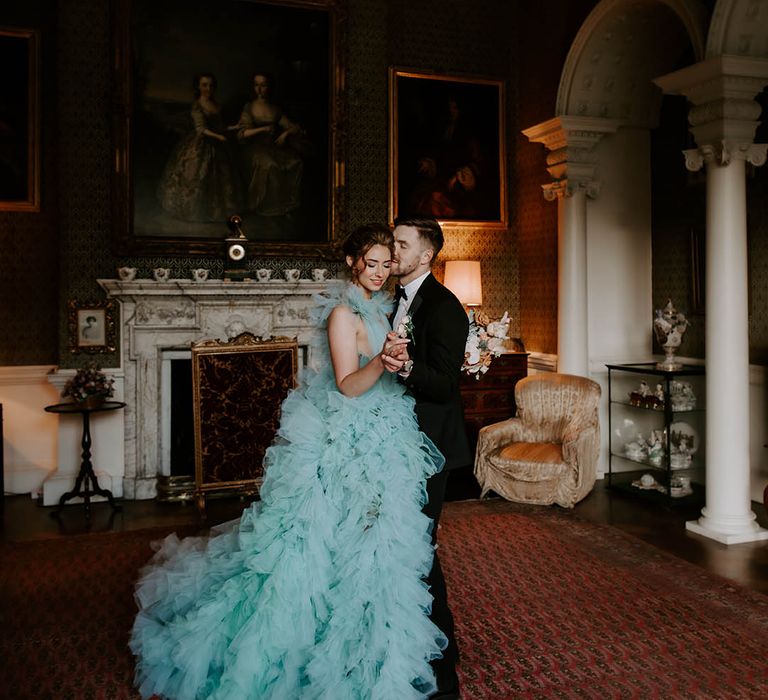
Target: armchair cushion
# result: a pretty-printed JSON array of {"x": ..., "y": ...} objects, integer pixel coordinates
[{"x": 531, "y": 461}]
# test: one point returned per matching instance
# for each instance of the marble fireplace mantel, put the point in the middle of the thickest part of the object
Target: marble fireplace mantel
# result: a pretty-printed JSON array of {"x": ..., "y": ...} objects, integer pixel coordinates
[{"x": 158, "y": 317}]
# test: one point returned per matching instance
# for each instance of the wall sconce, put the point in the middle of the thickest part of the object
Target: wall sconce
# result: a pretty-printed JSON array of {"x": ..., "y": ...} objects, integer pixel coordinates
[{"x": 462, "y": 277}]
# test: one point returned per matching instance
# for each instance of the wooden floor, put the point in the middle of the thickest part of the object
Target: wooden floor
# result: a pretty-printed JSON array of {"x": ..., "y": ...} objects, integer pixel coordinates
[{"x": 746, "y": 564}]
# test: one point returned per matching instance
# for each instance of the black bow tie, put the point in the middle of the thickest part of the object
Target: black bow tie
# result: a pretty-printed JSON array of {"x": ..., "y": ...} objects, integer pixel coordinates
[{"x": 400, "y": 294}]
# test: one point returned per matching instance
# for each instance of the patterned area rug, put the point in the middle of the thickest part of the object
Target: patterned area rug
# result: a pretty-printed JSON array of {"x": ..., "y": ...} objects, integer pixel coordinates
[
  {"x": 546, "y": 604},
  {"x": 550, "y": 606}
]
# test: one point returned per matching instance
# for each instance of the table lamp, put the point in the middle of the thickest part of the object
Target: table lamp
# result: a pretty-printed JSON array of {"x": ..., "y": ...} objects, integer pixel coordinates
[{"x": 462, "y": 277}]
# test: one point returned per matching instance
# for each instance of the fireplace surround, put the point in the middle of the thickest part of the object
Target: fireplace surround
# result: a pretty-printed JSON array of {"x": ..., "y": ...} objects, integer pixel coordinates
[{"x": 158, "y": 319}]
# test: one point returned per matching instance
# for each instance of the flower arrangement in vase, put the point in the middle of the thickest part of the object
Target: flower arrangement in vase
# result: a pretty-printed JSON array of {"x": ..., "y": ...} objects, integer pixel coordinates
[
  {"x": 484, "y": 342},
  {"x": 90, "y": 387}
]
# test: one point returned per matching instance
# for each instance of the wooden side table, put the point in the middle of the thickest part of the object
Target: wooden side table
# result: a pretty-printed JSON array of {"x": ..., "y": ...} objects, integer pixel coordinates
[
  {"x": 86, "y": 484},
  {"x": 489, "y": 399}
]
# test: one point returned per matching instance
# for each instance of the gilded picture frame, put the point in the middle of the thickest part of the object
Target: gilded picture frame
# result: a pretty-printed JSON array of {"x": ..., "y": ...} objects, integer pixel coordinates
[
  {"x": 238, "y": 387},
  {"x": 197, "y": 140},
  {"x": 20, "y": 120},
  {"x": 447, "y": 148},
  {"x": 92, "y": 326}
]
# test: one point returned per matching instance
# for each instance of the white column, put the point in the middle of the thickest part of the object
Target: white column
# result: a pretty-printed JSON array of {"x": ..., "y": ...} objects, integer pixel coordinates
[
  {"x": 571, "y": 163},
  {"x": 572, "y": 319},
  {"x": 727, "y": 516},
  {"x": 723, "y": 121}
]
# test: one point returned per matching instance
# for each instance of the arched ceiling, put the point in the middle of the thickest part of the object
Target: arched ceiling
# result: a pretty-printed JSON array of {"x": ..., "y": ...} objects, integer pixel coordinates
[
  {"x": 739, "y": 28},
  {"x": 621, "y": 47}
]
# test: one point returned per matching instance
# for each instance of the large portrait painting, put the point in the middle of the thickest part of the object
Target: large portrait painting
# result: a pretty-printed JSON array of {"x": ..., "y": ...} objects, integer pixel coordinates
[
  {"x": 447, "y": 148},
  {"x": 19, "y": 121},
  {"x": 228, "y": 107}
]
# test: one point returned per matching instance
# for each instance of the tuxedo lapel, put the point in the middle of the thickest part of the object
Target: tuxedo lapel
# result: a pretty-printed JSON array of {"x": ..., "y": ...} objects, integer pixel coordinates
[
  {"x": 421, "y": 294},
  {"x": 415, "y": 304}
]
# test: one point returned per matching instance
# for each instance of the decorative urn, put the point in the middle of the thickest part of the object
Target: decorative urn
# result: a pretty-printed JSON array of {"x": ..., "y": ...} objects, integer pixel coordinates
[{"x": 670, "y": 326}]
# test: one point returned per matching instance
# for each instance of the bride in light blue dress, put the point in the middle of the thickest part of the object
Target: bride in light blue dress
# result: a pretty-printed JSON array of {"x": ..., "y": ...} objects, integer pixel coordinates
[{"x": 318, "y": 590}]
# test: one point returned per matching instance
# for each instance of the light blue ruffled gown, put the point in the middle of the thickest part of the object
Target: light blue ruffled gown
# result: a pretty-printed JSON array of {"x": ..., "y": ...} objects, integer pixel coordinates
[{"x": 317, "y": 591}]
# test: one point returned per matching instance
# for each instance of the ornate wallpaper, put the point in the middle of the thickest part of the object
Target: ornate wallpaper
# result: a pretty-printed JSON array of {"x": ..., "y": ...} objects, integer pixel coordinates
[
  {"x": 445, "y": 37},
  {"x": 469, "y": 38},
  {"x": 72, "y": 234}
]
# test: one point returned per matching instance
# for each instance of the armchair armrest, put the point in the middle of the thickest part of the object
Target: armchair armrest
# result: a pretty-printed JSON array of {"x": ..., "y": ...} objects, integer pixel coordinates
[
  {"x": 581, "y": 450},
  {"x": 496, "y": 435}
]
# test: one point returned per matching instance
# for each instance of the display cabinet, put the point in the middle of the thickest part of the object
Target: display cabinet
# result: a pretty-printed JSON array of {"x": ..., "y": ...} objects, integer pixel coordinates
[{"x": 656, "y": 425}]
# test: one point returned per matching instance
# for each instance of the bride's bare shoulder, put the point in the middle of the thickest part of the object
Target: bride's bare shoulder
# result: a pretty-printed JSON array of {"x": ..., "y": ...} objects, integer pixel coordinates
[{"x": 342, "y": 314}]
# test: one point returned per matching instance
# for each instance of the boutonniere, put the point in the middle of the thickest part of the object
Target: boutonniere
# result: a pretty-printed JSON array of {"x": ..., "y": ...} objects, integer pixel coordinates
[{"x": 405, "y": 328}]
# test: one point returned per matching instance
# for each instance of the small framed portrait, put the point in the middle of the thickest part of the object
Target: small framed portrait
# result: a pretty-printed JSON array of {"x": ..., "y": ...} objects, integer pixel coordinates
[
  {"x": 92, "y": 327},
  {"x": 447, "y": 148},
  {"x": 19, "y": 121}
]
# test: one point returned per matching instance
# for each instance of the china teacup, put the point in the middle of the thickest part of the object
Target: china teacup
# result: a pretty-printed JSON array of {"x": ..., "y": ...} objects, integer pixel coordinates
[
  {"x": 126, "y": 274},
  {"x": 292, "y": 275},
  {"x": 319, "y": 274},
  {"x": 263, "y": 274},
  {"x": 200, "y": 274},
  {"x": 161, "y": 274}
]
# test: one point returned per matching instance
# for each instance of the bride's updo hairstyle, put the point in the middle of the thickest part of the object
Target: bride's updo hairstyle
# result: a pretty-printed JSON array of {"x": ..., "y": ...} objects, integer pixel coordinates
[{"x": 364, "y": 237}]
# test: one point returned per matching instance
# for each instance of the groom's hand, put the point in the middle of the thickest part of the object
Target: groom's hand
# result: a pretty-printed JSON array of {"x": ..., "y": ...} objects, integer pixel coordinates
[
  {"x": 391, "y": 364},
  {"x": 394, "y": 353}
]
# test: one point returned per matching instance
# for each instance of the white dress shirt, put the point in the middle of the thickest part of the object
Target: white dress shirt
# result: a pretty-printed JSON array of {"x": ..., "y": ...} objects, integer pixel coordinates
[{"x": 404, "y": 304}]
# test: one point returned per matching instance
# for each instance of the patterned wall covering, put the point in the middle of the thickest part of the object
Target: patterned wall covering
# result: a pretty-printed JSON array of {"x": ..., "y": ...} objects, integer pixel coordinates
[
  {"x": 495, "y": 38},
  {"x": 475, "y": 38},
  {"x": 678, "y": 213},
  {"x": 452, "y": 36},
  {"x": 679, "y": 205},
  {"x": 757, "y": 226},
  {"x": 29, "y": 241},
  {"x": 540, "y": 64}
]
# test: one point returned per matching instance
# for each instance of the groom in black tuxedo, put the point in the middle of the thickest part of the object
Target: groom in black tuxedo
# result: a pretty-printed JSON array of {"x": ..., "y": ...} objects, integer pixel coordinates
[{"x": 440, "y": 328}]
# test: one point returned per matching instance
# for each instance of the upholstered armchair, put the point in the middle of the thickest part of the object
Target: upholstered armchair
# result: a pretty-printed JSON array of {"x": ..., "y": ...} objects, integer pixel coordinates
[{"x": 548, "y": 453}]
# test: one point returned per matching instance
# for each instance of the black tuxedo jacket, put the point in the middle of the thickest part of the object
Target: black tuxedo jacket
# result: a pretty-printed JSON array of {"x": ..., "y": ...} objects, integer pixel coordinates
[{"x": 440, "y": 328}]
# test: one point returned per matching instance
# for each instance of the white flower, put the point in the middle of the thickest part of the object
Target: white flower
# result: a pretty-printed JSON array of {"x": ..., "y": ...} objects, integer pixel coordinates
[
  {"x": 497, "y": 329},
  {"x": 485, "y": 341},
  {"x": 496, "y": 345},
  {"x": 405, "y": 328},
  {"x": 472, "y": 350}
]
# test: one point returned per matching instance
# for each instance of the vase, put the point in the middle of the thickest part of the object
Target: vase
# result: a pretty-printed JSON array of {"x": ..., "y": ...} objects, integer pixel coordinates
[{"x": 669, "y": 326}]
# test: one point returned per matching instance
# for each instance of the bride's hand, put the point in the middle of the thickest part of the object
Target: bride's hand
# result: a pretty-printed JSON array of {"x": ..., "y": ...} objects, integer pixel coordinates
[{"x": 395, "y": 346}]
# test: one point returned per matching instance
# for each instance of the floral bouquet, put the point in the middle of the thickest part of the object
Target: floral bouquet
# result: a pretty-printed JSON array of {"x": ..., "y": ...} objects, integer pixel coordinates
[
  {"x": 484, "y": 342},
  {"x": 90, "y": 381}
]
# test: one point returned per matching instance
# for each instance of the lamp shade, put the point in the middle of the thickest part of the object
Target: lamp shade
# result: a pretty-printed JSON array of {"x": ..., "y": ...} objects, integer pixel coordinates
[{"x": 462, "y": 277}]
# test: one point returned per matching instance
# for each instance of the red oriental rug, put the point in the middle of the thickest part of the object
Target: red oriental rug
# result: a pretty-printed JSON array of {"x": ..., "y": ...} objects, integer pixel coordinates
[{"x": 547, "y": 606}]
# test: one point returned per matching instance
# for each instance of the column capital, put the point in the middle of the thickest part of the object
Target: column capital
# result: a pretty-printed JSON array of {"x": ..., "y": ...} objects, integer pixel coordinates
[
  {"x": 571, "y": 160},
  {"x": 723, "y": 152},
  {"x": 564, "y": 188},
  {"x": 724, "y": 114}
]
